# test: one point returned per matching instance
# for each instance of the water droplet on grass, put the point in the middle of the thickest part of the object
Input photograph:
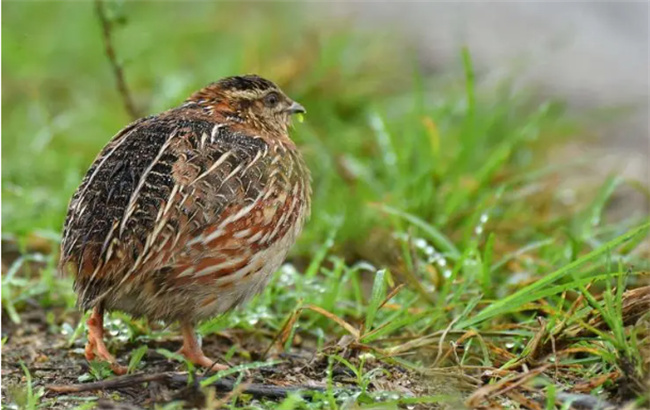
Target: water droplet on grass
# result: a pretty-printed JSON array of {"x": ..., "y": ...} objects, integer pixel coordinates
[{"x": 420, "y": 243}]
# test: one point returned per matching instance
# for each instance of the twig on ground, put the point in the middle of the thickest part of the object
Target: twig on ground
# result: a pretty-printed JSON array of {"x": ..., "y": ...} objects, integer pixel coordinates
[
  {"x": 442, "y": 339},
  {"x": 115, "y": 383},
  {"x": 523, "y": 400},
  {"x": 233, "y": 393},
  {"x": 180, "y": 379},
  {"x": 501, "y": 387},
  {"x": 117, "y": 68}
]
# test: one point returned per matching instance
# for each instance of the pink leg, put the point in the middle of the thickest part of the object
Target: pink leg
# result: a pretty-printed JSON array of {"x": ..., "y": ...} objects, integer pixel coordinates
[
  {"x": 95, "y": 348},
  {"x": 192, "y": 351}
]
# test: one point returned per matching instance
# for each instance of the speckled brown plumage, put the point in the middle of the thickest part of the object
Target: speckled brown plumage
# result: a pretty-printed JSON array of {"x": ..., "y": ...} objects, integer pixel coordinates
[{"x": 186, "y": 214}]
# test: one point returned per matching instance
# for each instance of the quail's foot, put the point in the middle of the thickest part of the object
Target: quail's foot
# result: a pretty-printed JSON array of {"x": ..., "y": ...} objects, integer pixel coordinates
[
  {"x": 191, "y": 350},
  {"x": 95, "y": 348}
]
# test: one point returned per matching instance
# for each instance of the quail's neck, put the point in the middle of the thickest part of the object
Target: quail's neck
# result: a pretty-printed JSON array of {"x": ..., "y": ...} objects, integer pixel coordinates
[{"x": 220, "y": 111}]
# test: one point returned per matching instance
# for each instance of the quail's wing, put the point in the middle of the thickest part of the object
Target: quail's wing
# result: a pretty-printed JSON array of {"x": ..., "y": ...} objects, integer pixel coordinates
[{"x": 162, "y": 190}]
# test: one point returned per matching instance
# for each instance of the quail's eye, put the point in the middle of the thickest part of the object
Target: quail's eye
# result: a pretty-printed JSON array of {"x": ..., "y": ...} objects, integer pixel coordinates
[{"x": 271, "y": 100}]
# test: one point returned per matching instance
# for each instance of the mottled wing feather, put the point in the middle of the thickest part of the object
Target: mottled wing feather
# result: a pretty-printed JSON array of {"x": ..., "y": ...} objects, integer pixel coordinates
[{"x": 160, "y": 183}]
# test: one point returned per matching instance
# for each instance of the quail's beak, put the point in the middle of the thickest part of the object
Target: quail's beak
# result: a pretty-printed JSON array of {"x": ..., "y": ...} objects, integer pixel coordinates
[{"x": 296, "y": 108}]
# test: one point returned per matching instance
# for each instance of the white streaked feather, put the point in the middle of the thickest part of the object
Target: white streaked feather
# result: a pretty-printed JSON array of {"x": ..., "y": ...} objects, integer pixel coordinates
[
  {"x": 214, "y": 166},
  {"x": 220, "y": 266},
  {"x": 134, "y": 196}
]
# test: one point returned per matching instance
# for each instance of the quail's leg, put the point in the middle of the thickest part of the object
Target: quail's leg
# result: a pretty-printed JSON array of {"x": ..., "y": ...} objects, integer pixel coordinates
[
  {"x": 192, "y": 350},
  {"x": 95, "y": 348}
]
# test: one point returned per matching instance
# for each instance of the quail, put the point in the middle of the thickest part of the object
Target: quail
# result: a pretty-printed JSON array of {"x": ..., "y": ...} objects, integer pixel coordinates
[{"x": 184, "y": 215}]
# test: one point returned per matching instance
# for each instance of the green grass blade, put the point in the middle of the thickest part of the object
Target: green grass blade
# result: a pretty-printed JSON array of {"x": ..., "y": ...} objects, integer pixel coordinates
[
  {"x": 237, "y": 369},
  {"x": 136, "y": 358},
  {"x": 437, "y": 237},
  {"x": 377, "y": 296},
  {"x": 486, "y": 274},
  {"x": 514, "y": 301}
]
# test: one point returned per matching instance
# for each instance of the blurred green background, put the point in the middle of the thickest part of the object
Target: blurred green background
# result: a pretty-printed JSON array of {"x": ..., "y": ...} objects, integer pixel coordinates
[
  {"x": 377, "y": 130},
  {"x": 61, "y": 105}
]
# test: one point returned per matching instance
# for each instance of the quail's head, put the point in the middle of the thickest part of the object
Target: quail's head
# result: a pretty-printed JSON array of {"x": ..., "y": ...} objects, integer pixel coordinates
[{"x": 251, "y": 100}]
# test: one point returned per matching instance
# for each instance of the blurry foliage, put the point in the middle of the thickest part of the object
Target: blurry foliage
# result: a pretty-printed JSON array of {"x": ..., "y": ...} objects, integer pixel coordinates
[{"x": 61, "y": 107}]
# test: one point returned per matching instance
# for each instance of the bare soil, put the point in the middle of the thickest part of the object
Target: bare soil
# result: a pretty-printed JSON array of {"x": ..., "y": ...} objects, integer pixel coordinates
[{"x": 52, "y": 361}]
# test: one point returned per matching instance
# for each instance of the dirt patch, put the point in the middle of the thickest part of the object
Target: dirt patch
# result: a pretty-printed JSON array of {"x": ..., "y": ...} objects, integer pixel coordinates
[{"x": 52, "y": 360}]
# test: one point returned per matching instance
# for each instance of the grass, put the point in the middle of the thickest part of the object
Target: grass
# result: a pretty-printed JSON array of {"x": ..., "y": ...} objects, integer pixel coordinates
[
  {"x": 439, "y": 249},
  {"x": 26, "y": 396}
]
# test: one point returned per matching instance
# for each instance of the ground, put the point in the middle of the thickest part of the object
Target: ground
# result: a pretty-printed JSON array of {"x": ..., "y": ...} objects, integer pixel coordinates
[{"x": 446, "y": 263}]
